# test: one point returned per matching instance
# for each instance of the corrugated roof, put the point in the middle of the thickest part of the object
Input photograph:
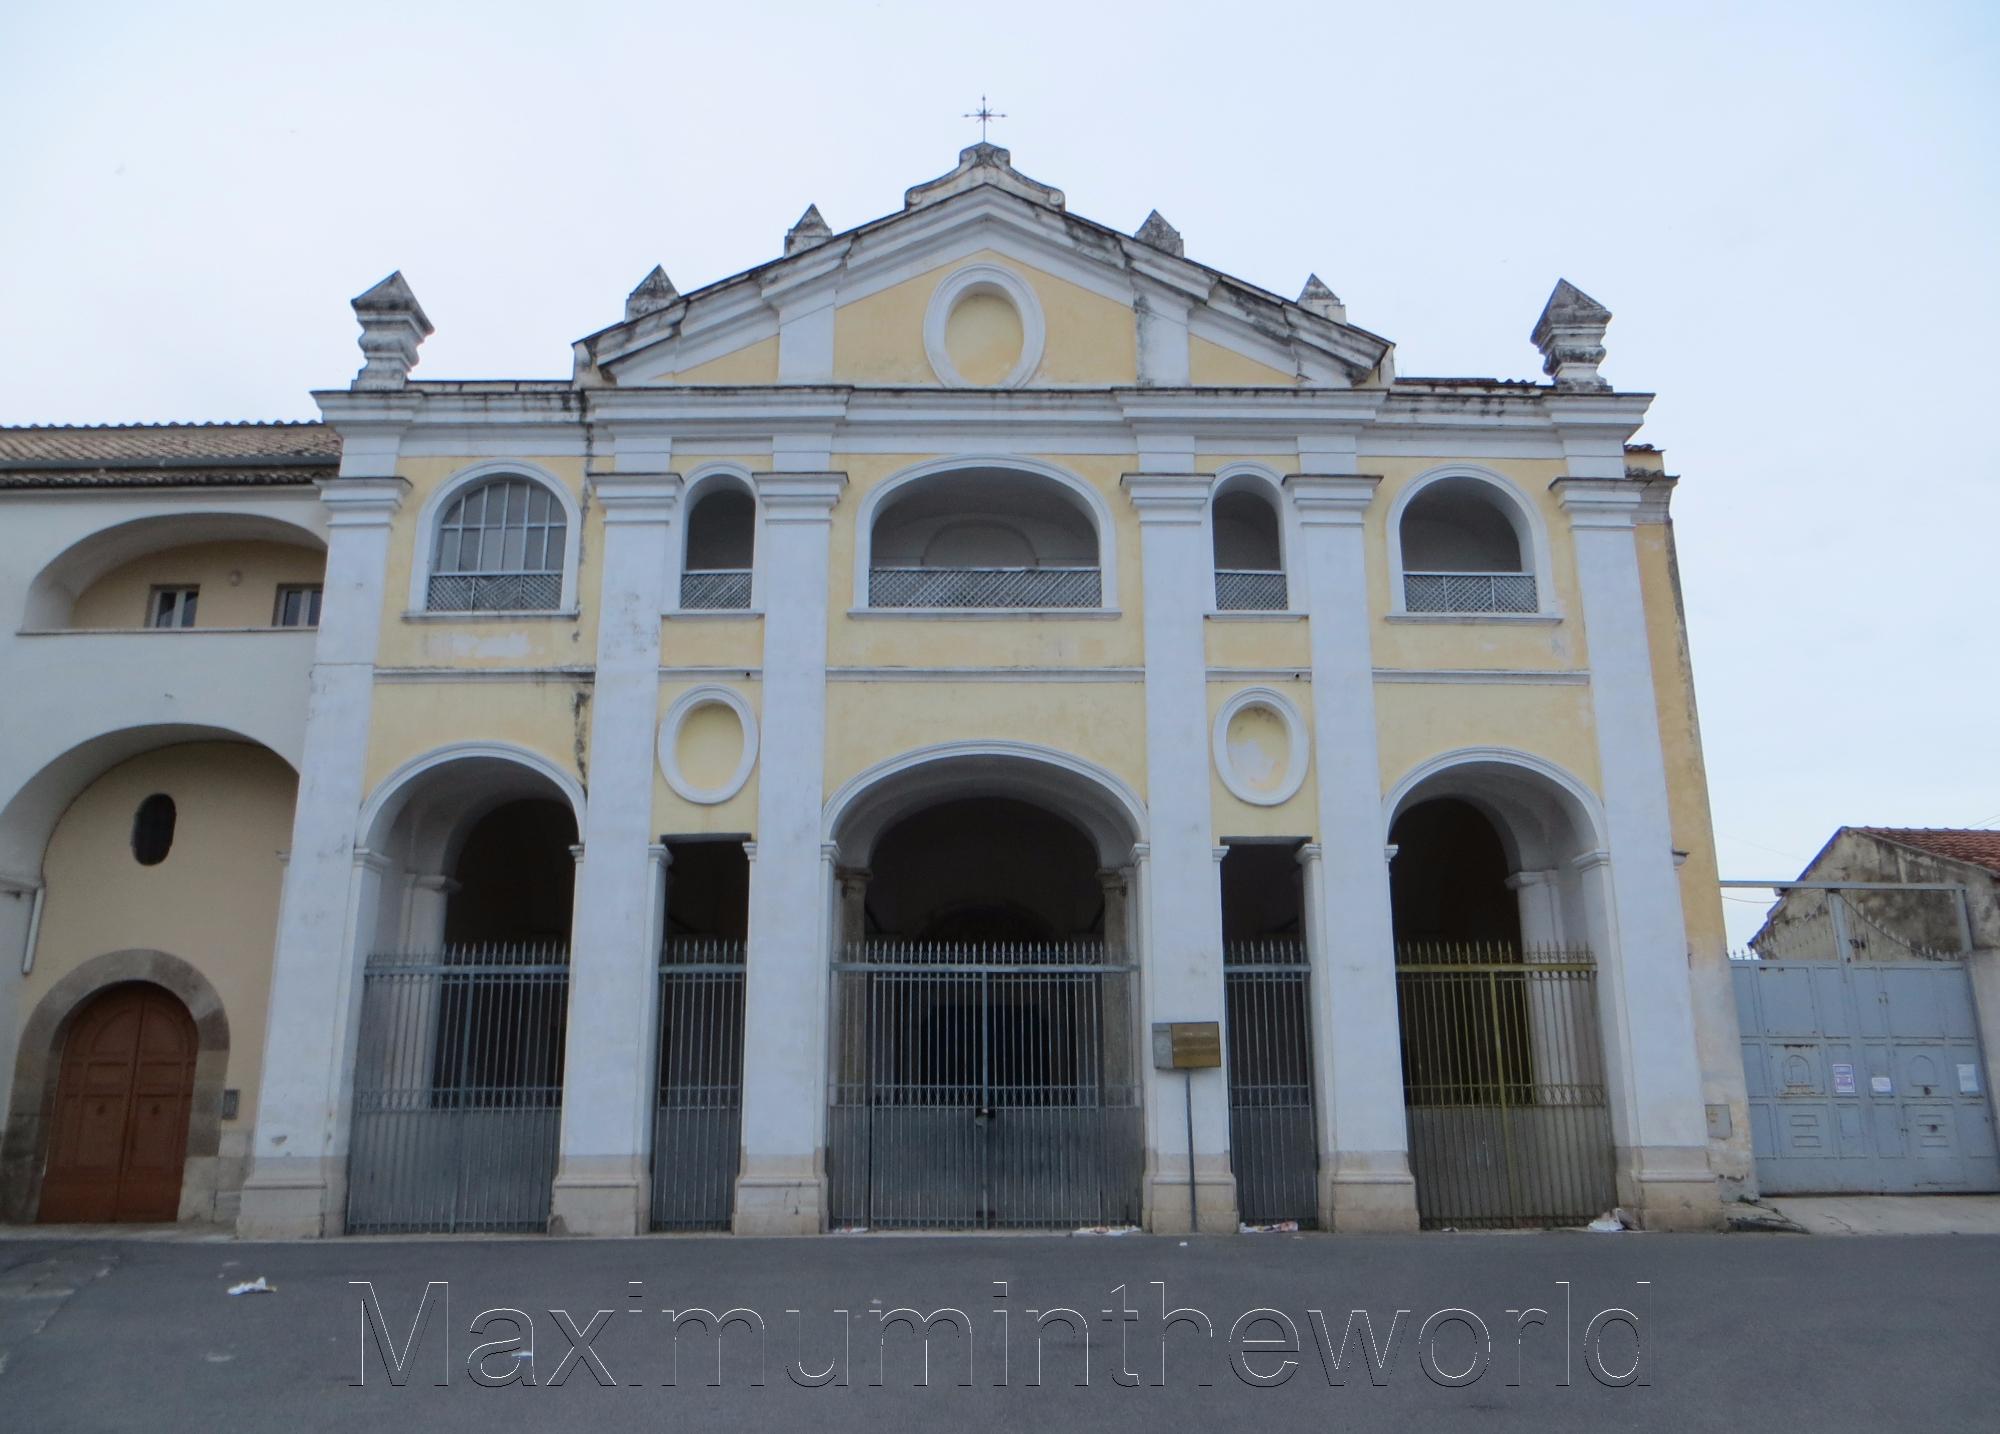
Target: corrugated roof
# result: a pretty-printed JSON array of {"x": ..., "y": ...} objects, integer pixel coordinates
[
  {"x": 1967, "y": 844},
  {"x": 166, "y": 454}
]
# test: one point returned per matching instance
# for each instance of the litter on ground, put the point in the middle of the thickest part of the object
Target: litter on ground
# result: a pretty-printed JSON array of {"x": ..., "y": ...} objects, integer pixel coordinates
[
  {"x": 257, "y": 1286},
  {"x": 1276, "y": 1227}
]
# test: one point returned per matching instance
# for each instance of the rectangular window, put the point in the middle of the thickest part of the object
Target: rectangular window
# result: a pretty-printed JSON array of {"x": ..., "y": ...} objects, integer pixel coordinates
[
  {"x": 172, "y": 607},
  {"x": 298, "y": 606}
]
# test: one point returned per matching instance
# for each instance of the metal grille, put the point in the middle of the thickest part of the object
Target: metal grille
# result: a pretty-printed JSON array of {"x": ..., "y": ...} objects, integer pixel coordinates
[
  {"x": 698, "y": 1119},
  {"x": 1503, "y": 1085},
  {"x": 984, "y": 587},
  {"x": 1273, "y": 1142},
  {"x": 1249, "y": 591},
  {"x": 983, "y": 1086},
  {"x": 458, "y": 1089},
  {"x": 1470, "y": 592},
  {"x": 716, "y": 588},
  {"x": 495, "y": 592}
]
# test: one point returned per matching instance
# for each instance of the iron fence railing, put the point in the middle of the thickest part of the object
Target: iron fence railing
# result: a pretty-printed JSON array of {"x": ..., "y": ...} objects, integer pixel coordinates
[
  {"x": 698, "y": 1117},
  {"x": 494, "y": 592},
  {"x": 1244, "y": 590},
  {"x": 1273, "y": 1139},
  {"x": 1470, "y": 592},
  {"x": 984, "y": 1085},
  {"x": 715, "y": 588},
  {"x": 984, "y": 587},
  {"x": 458, "y": 1089},
  {"x": 1503, "y": 1085}
]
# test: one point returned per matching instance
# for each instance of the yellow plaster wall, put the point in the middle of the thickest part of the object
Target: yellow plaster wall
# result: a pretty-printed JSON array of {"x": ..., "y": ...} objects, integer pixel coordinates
[
  {"x": 1415, "y": 721},
  {"x": 213, "y": 902},
  {"x": 123, "y": 596},
  {"x": 549, "y": 716},
  {"x": 1089, "y": 339},
  {"x": 1210, "y": 364},
  {"x": 753, "y": 363},
  {"x": 869, "y": 722},
  {"x": 1233, "y": 817},
  {"x": 513, "y": 640},
  {"x": 1260, "y": 642},
  {"x": 712, "y": 642},
  {"x": 674, "y": 814}
]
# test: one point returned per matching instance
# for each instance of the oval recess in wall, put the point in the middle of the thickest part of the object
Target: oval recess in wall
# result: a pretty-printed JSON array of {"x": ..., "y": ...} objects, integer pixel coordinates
[
  {"x": 983, "y": 328},
  {"x": 708, "y": 744},
  {"x": 1260, "y": 746}
]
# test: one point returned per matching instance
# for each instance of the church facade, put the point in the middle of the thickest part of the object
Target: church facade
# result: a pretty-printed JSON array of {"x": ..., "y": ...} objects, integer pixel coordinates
[{"x": 979, "y": 722}]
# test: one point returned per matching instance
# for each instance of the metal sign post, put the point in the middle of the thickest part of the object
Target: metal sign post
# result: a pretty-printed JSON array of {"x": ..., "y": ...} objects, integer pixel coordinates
[{"x": 1188, "y": 1046}]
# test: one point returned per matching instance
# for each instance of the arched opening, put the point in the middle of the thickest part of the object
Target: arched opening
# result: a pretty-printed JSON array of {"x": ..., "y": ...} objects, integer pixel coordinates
[
  {"x": 984, "y": 537},
  {"x": 124, "y": 1095},
  {"x": 1503, "y": 1062},
  {"x": 1466, "y": 548},
  {"x": 1249, "y": 552},
  {"x": 459, "y": 1065},
  {"x": 721, "y": 548},
  {"x": 193, "y": 570},
  {"x": 985, "y": 1057},
  {"x": 499, "y": 545}
]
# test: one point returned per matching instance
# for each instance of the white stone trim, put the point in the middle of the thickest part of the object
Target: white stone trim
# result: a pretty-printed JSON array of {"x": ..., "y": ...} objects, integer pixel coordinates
[
  {"x": 693, "y": 490},
  {"x": 441, "y": 498},
  {"x": 984, "y": 278},
  {"x": 986, "y": 674},
  {"x": 1487, "y": 676},
  {"x": 1299, "y": 746},
  {"x": 1100, "y": 516},
  {"x": 1587, "y": 803},
  {"x": 709, "y": 694},
  {"x": 1529, "y": 530},
  {"x": 392, "y": 787}
]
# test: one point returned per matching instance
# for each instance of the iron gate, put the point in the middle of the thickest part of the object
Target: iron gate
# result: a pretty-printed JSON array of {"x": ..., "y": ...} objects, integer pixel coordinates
[
  {"x": 1503, "y": 1086},
  {"x": 1273, "y": 1144},
  {"x": 458, "y": 1089},
  {"x": 698, "y": 1118},
  {"x": 982, "y": 1086},
  {"x": 1864, "y": 1077}
]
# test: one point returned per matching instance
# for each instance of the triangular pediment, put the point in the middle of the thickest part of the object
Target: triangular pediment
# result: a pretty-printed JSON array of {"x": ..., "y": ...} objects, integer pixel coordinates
[{"x": 1090, "y": 306}]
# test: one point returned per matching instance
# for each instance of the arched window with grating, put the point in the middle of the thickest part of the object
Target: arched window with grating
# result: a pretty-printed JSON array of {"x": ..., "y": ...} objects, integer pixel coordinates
[
  {"x": 499, "y": 548},
  {"x": 721, "y": 548},
  {"x": 1465, "y": 549},
  {"x": 1249, "y": 561}
]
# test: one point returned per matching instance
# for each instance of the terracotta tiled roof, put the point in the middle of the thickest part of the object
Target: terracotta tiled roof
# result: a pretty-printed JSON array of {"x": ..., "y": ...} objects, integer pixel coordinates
[
  {"x": 1967, "y": 844},
  {"x": 166, "y": 454}
]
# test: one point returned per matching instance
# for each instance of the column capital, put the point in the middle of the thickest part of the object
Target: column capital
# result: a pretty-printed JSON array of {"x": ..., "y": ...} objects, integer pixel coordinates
[
  {"x": 1599, "y": 502},
  {"x": 361, "y": 502},
  {"x": 1530, "y": 878},
  {"x": 1308, "y": 853},
  {"x": 1168, "y": 497},
  {"x": 636, "y": 497},
  {"x": 798, "y": 497},
  {"x": 1332, "y": 500}
]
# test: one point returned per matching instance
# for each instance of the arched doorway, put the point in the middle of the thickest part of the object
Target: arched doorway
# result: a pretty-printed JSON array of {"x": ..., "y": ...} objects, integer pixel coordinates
[
  {"x": 123, "y": 1096},
  {"x": 984, "y": 1056},
  {"x": 1503, "y": 1062}
]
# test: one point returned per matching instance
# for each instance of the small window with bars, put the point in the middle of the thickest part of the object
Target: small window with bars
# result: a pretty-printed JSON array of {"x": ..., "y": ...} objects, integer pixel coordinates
[
  {"x": 499, "y": 549},
  {"x": 298, "y": 605},
  {"x": 172, "y": 606}
]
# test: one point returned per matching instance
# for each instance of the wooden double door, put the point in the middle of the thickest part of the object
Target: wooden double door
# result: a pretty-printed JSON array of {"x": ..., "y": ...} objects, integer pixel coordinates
[{"x": 123, "y": 1094}]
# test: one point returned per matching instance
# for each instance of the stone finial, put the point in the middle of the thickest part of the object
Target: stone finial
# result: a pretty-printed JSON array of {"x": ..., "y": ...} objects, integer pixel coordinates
[
  {"x": 654, "y": 293},
  {"x": 1316, "y": 298},
  {"x": 810, "y": 230},
  {"x": 1570, "y": 334},
  {"x": 392, "y": 325},
  {"x": 1161, "y": 235},
  {"x": 979, "y": 164}
]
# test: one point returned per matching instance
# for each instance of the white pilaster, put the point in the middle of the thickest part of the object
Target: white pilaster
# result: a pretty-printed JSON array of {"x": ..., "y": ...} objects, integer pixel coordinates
[
  {"x": 297, "y": 1180},
  {"x": 1365, "y": 1181},
  {"x": 1652, "y": 1068},
  {"x": 601, "y": 1184},
  {"x": 782, "y": 1187},
  {"x": 1181, "y": 884}
]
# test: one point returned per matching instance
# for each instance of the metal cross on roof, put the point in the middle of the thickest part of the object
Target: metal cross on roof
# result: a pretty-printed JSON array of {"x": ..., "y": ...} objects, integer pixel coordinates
[{"x": 984, "y": 114}]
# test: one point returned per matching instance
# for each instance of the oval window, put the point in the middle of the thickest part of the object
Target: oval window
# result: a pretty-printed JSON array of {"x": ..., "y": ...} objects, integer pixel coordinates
[{"x": 153, "y": 829}]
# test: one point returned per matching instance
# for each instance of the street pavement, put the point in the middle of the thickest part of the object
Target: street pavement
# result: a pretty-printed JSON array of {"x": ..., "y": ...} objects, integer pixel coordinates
[{"x": 1500, "y": 1332}]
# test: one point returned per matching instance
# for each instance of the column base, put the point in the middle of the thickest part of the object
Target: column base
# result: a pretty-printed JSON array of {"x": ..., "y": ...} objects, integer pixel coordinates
[
  {"x": 780, "y": 1203},
  {"x": 293, "y": 1200},
  {"x": 1166, "y": 1203},
  {"x": 1368, "y": 1192},
  {"x": 606, "y": 1195},
  {"x": 1669, "y": 1188}
]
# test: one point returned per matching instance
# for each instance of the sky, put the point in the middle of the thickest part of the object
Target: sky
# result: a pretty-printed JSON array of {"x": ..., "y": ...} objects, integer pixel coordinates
[{"x": 1792, "y": 210}]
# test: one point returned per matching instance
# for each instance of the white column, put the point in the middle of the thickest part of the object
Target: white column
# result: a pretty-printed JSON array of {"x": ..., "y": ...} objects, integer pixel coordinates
[
  {"x": 1365, "y": 1181},
  {"x": 1180, "y": 885},
  {"x": 1652, "y": 1072},
  {"x": 298, "y": 1156},
  {"x": 782, "y": 1187},
  {"x": 601, "y": 1184}
]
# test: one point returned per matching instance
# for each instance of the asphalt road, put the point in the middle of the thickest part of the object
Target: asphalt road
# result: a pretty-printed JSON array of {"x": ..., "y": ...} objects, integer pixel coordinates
[{"x": 1761, "y": 1331}]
